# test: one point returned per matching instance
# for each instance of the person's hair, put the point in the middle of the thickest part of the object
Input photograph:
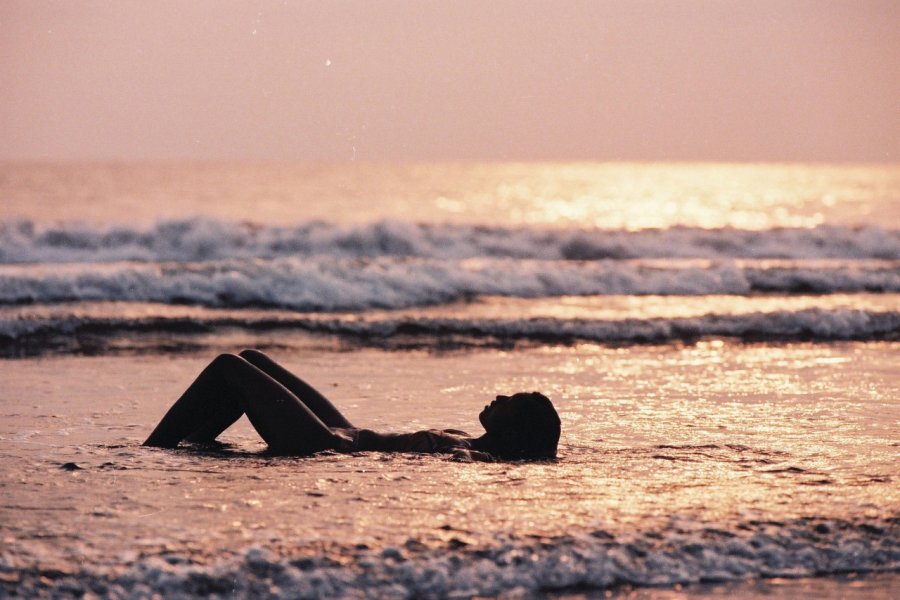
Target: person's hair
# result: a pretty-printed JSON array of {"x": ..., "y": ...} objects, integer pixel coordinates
[{"x": 533, "y": 434}]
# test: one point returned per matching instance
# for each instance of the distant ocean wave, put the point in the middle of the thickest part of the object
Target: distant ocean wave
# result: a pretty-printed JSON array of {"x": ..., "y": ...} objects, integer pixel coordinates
[
  {"x": 519, "y": 567},
  {"x": 816, "y": 325},
  {"x": 322, "y": 270},
  {"x": 202, "y": 239},
  {"x": 334, "y": 284}
]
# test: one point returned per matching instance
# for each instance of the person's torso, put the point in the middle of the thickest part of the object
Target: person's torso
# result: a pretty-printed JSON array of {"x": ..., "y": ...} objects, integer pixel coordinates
[{"x": 429, "y": 441}]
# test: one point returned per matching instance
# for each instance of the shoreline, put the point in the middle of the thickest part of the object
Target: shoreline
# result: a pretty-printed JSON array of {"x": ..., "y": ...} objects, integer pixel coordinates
[
  {"x": 409, "y": 571},
  {"x": 678, "y": 465}
]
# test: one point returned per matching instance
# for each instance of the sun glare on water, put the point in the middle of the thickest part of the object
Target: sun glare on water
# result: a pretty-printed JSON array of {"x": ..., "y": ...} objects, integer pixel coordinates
[{"x": 642, "y": 196}]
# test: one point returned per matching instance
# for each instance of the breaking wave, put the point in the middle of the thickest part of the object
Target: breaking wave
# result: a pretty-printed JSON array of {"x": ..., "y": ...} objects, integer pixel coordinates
[
  {"x": 322, "y": 270},
  {"x": 520, "y": 567},
  {"x": 202, "y": 239},
  {"x": 334, "y": 284}
]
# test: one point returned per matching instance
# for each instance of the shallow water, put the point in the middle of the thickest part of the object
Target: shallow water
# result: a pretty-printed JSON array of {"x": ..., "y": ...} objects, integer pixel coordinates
[
  {"x": 728, "y": 460},
  {"x": 720, "y": 340}
]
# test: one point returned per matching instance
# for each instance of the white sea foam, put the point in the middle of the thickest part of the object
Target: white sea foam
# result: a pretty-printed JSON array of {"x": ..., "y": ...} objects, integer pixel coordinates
[
  {"x": 517, "y": 567},
  {"x": 201, "y": 239},
  {"x": 332, "y": 284}
]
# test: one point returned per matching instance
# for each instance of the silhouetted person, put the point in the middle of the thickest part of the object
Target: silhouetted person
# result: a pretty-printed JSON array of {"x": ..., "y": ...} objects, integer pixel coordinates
[{"x": 295, "y": 419}]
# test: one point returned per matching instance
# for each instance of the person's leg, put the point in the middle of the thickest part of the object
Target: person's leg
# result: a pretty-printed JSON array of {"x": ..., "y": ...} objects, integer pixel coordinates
[
  {"x": 206, "y": 401},
  {"x": 233, "y": 384},
  {"x": 315, "y": 401},
  {"x": 224, "y": 418}
]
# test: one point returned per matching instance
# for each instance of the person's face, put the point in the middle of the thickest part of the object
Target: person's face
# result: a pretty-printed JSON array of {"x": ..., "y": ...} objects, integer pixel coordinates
[{"x": 498, "y": 413}]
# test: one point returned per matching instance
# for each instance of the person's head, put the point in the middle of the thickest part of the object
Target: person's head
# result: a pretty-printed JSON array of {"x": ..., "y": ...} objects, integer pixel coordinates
[{"x": 524, "y": 425}]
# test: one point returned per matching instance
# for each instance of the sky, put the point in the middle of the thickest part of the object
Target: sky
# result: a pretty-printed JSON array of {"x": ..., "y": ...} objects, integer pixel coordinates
[{"x": 719, "y": 80}]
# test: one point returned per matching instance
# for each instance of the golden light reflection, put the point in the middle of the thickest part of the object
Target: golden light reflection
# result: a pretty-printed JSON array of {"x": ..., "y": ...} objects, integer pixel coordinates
[
  {"x": 641, "y": 196},
  {"x": 646, "y": 307}
]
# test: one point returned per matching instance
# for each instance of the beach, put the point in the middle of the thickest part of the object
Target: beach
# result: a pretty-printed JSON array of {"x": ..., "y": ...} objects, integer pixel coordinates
[
  {"x": 697, "y": 474},
  {"x": 725, "y": 373}
]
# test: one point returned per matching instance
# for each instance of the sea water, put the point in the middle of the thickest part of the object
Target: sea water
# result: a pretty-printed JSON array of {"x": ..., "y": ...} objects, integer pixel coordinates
[{"x": 720, "y": 342}]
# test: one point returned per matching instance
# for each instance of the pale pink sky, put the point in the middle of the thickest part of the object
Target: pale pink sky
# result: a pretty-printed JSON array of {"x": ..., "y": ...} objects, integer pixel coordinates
[{"x": 460, "y": 79}]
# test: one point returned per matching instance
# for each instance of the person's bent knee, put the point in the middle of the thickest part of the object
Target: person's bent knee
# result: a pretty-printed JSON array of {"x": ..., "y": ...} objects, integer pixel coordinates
[
  {"x": 251, "y": 353},
  {"x": 227, "y": 361}
]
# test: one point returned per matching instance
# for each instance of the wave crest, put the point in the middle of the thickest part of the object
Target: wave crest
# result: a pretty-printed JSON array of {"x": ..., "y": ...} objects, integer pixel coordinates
[
  {"x": 202, "y": 239},
  {"x": 329, "y": 284}
]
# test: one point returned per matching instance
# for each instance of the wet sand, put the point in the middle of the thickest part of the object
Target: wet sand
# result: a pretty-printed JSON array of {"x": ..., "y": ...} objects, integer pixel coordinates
[{"x": 672, "y": 446}]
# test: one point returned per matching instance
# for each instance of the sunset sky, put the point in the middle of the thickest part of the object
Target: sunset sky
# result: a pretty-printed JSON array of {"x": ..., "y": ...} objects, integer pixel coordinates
[{"x": 456, "y": 80}]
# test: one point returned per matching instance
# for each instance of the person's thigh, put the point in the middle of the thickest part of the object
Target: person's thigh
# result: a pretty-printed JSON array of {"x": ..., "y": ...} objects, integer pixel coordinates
[{"x": 286, "y": 424}]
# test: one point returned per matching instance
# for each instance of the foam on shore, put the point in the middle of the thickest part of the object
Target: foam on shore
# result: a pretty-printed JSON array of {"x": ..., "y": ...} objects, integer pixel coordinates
[{"x": 684, "y": 553}]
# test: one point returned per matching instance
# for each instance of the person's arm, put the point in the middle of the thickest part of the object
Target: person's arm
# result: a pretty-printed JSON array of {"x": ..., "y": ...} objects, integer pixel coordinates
[{"x": 469, "y": 455}]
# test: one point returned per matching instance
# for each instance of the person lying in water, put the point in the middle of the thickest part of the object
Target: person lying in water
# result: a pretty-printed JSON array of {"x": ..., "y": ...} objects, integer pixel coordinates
[{"x": 295, "y": 419}]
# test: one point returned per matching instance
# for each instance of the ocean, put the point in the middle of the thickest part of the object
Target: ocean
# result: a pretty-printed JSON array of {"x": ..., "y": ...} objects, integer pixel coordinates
[{"x": 720, "y": 340}]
